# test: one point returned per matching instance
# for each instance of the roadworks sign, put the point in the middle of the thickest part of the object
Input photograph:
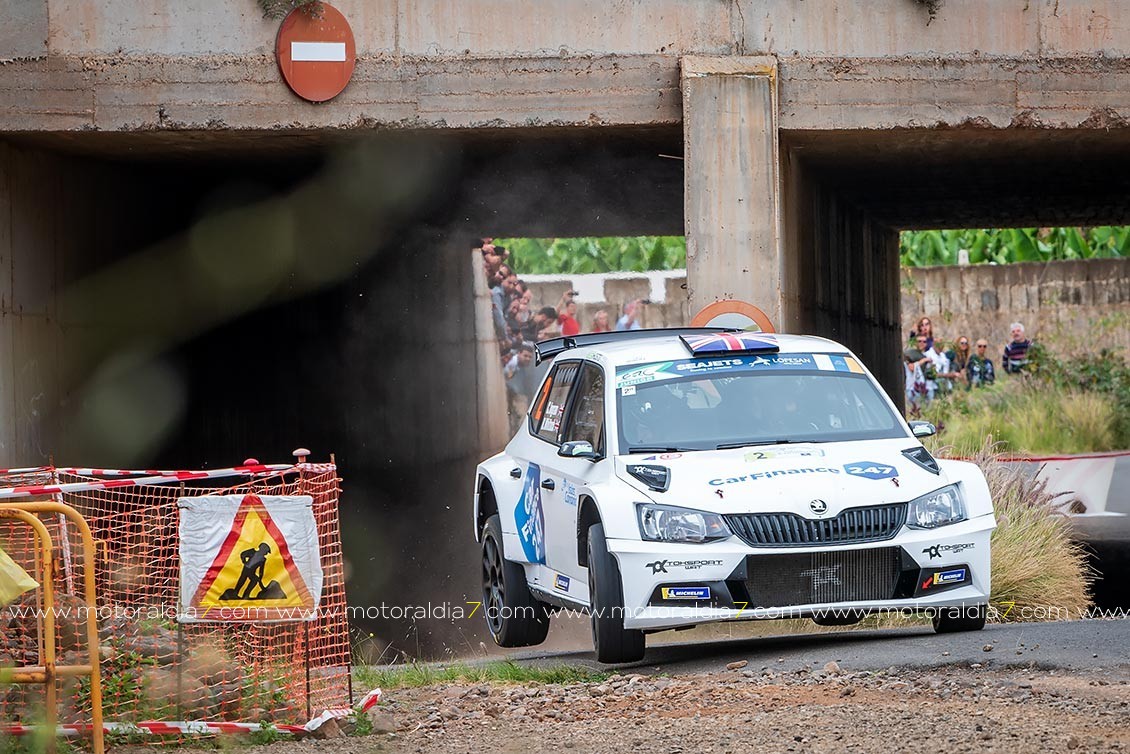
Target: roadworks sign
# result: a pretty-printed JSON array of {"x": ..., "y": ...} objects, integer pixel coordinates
[{"x": 246, "y": 558}]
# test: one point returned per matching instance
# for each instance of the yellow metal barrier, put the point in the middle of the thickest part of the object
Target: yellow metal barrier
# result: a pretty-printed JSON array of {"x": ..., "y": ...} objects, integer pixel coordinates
[{"x": 48, "y": 673}]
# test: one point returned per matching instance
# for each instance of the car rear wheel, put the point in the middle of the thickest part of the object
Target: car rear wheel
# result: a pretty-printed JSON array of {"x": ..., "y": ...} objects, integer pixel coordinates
[
  {"x": 514, "y": 617},
  {"x": 948, "y": 620},
  {"x": 613, "y": 643}
]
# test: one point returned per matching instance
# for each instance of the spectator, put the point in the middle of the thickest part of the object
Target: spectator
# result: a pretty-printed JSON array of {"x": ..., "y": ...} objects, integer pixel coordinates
[
  {"x": 542, "y": 325},
  {"x": 568, "y": 314},
  {"x": 928, "y": 366},
  {"x": 944, "y": 371},
  {"x": 1016, "y": 352},
  {"x": 600, "y": 322},
  {"x": 979, "y": 371},
  {"x": 631, "y": 318},
  {"x": 959, "y": 354},
  {"x": 915, "y": 380},
  {"x": 521, "y": 384},
  {"x": 568, "y": 320},
  {"x": 924, "y": 327},
  {"x": 500, "y": 302}
]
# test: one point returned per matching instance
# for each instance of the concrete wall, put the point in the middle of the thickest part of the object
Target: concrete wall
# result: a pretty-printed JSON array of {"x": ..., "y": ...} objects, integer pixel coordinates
[
  {"x": 144, "y": 64},
  {"x": 1068, "y": 305}
]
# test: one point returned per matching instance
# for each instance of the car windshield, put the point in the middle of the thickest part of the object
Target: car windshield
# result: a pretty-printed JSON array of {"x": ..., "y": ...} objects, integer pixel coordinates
[{"x": 699, "y": 404}]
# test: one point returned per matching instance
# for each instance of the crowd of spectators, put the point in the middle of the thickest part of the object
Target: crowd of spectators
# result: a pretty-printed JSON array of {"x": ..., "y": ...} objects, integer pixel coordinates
[
  {"x": 932, "y": 370},
  {"x": 518, "y": 324}
]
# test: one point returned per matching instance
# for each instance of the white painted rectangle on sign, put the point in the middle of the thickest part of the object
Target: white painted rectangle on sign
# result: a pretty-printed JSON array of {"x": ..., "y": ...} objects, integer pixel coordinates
[{"x": 331, "y": 52}]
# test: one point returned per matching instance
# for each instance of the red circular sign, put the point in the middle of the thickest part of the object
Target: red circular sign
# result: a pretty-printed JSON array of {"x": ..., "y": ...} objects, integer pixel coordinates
[{"x": 316, "y": 51}]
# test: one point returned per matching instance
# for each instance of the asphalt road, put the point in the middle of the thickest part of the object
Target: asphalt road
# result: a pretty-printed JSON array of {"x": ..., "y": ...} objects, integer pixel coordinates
[{"x": 1070, "y": 645}]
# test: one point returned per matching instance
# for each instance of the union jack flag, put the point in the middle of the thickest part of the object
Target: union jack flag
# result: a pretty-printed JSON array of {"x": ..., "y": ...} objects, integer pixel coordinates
[{"x": 732, "y": 342}]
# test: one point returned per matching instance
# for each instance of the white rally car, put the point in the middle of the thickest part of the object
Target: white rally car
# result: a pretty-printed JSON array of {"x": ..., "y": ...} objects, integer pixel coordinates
[{"x": 667, "y": 478}]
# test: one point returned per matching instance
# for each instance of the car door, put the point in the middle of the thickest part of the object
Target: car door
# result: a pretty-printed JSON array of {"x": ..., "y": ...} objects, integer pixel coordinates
[
  {"x": 540, "y": 484},
  {"x": 584, "y": 422}
]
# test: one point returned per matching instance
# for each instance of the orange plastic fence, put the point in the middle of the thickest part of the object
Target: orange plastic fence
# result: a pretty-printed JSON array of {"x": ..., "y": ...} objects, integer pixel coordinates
[{"x": 152, "y": 667}]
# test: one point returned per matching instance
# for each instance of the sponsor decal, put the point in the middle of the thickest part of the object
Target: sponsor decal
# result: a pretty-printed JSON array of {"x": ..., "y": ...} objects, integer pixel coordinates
[
  {"x": 628, "y": 376},
  {"x": 935, "y": 551},
  {"x": 871, "y": 470},
  {"x": 943, "y": 578},
  {"x": 664, "y": 457},
  {"x": 529, "y": 518},
  {"x": 819, "y": 507},
  {"x": 561, "y": 582},
  {"x": 828, "y": 575},
  {"x": 766, "y": 455},
  {"x": 628, "y": 390},
  {"x": 768, "y": 474},
  {"x": 708, "y": 365},
  {"x": 569, "y": 492},
  {"x": 660, "y": 566},
  {"x": 685, "y": 592}
]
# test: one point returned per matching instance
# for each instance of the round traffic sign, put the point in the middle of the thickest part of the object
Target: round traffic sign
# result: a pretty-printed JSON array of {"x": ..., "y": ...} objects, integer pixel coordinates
[
  {"x": 316, "y": 51},
  {"x": 730, "y": 313}
]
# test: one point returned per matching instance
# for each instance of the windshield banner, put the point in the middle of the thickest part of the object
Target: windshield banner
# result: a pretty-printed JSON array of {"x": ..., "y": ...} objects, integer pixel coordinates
[{"x": 640, "y": 374}]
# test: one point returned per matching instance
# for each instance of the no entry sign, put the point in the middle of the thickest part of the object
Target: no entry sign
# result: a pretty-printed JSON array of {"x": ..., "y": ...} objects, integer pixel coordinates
[{"x": 316, "y": 51}]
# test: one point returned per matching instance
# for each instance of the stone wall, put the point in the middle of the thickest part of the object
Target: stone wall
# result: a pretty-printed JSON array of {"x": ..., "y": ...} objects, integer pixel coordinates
[{"x": 1064, "y": 304}]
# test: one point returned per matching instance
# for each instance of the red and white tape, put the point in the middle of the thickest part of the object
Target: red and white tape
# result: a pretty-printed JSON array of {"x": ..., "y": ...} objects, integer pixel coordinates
[
  {"x": 28, "y": 470},
  {"x": 109, "y": 484},
  {"x": 196, "y": 728}
]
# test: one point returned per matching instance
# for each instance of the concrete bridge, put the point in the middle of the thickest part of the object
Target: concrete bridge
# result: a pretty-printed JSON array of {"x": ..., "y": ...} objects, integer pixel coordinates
[{"x": 196, "y": 265}]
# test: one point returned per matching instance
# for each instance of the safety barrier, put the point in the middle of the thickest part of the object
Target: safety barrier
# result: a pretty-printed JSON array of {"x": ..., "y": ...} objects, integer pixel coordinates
[{"x": 154, "y": 667}]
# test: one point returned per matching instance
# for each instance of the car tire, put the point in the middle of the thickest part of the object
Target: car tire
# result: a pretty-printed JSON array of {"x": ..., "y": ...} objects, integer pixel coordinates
[
  {"x": 948, "y": 620},
  {"x": 613, "y": 643},
  {"x": 514, "y": 618}
]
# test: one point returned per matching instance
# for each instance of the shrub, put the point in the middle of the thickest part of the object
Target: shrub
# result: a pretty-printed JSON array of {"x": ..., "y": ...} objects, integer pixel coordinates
[{"x": 1039, "y": 571}]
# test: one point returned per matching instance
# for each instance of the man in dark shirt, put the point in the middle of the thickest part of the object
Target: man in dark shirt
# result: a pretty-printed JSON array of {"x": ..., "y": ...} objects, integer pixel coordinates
[
  {"x": 1016, "y": 352},
  {"x": 979, "y": 370}
]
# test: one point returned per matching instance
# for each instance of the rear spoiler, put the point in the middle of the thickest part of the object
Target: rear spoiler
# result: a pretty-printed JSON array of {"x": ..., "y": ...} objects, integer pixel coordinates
[{"x": 547, "y": 349}]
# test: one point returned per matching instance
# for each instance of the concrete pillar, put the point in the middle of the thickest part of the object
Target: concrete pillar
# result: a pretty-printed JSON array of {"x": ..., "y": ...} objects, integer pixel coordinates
[
  {"x": 732, "y": 182},
  {"x": 494, "y": 429}
]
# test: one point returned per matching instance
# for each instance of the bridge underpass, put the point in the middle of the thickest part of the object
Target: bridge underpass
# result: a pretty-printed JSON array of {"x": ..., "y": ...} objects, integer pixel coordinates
[{"x": 190, "y": 299}]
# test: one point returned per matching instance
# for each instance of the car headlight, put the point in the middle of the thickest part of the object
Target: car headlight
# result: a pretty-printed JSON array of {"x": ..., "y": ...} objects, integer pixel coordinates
[
  {"x": 666, "y": 523},
  {"x": 938, "y": 508}
]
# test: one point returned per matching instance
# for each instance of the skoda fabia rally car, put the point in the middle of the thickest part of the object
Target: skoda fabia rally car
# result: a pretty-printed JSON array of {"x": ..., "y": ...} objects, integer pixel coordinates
[{"x": 667, "y": 478}]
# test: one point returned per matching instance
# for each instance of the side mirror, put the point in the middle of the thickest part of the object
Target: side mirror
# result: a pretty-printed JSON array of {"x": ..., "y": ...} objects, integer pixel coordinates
[
  {"x": 922, "y": 429},
  {"x": 578, "y": 449}
]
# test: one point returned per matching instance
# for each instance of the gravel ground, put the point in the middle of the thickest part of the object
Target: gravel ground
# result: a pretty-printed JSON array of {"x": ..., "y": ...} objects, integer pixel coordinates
[{"x": 734, "y": 708}]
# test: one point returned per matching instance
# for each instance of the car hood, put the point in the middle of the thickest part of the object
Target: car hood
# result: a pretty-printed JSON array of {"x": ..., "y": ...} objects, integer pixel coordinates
[{"x": 782, "y": 478}]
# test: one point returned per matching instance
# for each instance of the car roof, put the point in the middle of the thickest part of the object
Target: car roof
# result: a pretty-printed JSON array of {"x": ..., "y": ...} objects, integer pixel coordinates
[{"x": 663, "y": 347}]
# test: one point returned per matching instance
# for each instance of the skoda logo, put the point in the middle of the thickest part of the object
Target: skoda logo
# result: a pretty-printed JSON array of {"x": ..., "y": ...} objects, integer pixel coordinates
[{"x": 819, "y": 507}]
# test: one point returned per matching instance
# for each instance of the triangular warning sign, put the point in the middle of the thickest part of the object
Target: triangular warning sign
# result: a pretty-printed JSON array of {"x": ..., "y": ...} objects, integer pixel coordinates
[{"x": 253, "y": 575}]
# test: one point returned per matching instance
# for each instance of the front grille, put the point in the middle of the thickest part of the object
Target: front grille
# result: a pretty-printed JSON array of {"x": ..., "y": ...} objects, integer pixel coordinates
[
  {"x": 822, "y": 577},
  {"x": 871, "y": 524}
]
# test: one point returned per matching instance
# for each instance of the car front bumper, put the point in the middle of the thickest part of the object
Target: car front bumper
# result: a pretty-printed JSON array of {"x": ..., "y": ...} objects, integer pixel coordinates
[{"x": 677, "y": 585}]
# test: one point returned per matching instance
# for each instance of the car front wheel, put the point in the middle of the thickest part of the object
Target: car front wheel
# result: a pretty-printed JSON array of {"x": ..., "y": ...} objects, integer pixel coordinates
[
  {"x": 613, "y": 643},
  {"x": 514, "y": 617}
]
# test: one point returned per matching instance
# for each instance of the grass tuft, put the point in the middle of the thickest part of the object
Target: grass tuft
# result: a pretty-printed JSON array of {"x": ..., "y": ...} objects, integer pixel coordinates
[{"x": 1038, "y": 569}]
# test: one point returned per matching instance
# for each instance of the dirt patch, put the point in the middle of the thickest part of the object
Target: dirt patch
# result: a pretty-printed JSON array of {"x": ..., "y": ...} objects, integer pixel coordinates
[{"x": 830, "y": 710}]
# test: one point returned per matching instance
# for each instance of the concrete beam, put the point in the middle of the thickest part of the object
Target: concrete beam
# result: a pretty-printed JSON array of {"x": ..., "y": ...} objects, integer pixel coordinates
[{"x": 732, "y": 177}]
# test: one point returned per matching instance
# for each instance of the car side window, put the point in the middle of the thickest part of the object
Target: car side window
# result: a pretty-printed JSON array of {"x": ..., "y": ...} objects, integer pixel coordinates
[
  {"x": 549, "y": 410},
  {"x": 587, "y": 420}
]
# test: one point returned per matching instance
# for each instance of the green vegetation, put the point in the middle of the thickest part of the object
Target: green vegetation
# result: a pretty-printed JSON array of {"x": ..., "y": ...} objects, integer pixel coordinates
[
  {"x": 1079, "y": 404},
  {"x": 540, "y": 256},
  {"x": 922, "y": 248},
  {"x": 503, "y": 671},
  {"x": 265, "y": 734},
  {"x": 917, "y": 248}
]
